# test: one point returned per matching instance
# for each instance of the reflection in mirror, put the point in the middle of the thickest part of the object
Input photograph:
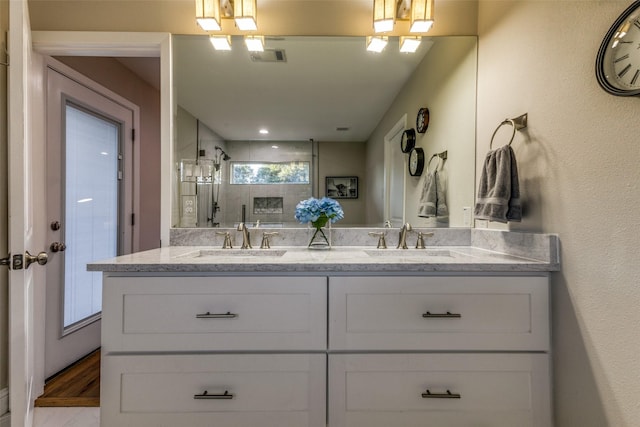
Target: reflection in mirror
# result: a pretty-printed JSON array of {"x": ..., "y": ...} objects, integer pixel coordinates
[{"x": 328, "y": 106}]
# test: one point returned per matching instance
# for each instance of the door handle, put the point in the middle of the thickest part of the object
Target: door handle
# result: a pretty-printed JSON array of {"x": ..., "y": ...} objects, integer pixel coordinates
[
  {"x": 6, "y": 261},
  {"x": 57, "y": 247},
  {"x": 29, "y": 259}
]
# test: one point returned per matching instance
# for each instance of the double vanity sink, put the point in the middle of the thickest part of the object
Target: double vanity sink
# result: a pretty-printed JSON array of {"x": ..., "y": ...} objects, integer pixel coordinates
[
  {"x": 455, "y": 334},
  {"x": 338, "y": 259}
]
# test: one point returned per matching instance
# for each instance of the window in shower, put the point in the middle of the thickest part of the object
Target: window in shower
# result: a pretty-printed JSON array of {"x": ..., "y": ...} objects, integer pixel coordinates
[{"x": 296, "y": 172}]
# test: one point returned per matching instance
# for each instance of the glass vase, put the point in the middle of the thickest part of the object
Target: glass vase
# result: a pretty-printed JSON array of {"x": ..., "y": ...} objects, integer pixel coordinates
[{"x": 319, "y": 236}]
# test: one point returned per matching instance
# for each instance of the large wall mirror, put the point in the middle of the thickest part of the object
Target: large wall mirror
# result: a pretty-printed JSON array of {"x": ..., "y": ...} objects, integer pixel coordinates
[{"x": 333, "y": 112}]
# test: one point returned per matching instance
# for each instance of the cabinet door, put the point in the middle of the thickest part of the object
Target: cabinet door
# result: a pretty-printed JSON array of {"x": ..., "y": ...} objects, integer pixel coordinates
[
  {"x": 214, "y": 313},
  {"x": 453, "y": 390},
  {"x": 439, "y": 313},
  {"x": 266, "y": 390}
]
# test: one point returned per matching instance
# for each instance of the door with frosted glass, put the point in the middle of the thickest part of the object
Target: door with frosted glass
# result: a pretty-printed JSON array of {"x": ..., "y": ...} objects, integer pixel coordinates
[{"x": 90, "y": 179}]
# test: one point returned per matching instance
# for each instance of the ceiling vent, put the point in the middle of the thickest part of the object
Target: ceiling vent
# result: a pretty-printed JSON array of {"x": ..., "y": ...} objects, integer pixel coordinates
[{"x": 269, "y": 55}]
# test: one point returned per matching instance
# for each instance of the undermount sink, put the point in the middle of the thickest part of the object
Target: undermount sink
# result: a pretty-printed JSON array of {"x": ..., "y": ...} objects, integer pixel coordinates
[
  {"x": 417, "y": 253},
  {"x": 234, "y": 253}
]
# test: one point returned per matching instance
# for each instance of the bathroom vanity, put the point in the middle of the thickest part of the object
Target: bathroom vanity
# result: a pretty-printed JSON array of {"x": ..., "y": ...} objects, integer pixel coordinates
[{"x": 354, "y": 336}]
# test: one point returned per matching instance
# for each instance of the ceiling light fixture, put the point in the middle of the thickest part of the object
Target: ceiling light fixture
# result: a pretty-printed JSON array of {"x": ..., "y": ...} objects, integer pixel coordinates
[
  {"x": 384, "y": 15},
  {"x": 409, "y": 44},
  {"x": 421, "y": 16},
  {"x": 254, "y": 43},
  {"x": 208, "y": 14},
  {"x": 245, "y": 14},
  {"x": 221, "y": 42},
  {"x": 264, "y": 131},
  {"x": 377, "y": 43}
]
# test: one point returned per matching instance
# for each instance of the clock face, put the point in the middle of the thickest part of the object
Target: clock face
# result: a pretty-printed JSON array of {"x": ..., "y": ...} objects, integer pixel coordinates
[
  {"x": 618, "y": 60},
  {"x": 408, "y": 140},
  {"x": 422, "y": 120},
  {"x": 416, "y": 161}
]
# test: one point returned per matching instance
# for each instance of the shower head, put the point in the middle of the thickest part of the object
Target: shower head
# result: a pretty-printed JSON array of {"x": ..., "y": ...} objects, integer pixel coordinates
[{"x": 224, "y": 155}]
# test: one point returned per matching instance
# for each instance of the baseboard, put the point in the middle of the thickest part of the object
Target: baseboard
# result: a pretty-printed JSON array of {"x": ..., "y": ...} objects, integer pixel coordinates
[{"x": 5, "y": 417}]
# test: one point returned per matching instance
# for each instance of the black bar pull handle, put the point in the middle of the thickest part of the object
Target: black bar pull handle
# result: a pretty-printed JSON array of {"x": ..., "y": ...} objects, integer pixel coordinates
[
  {"x": 448, "y": 395},
  {"x": 208, "y": 315},
  {"x": 205, "y": 395},
  {"x": 447, "y": 315}
]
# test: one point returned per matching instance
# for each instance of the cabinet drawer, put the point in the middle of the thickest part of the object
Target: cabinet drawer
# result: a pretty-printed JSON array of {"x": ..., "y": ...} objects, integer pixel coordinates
[
  {"x": 438, "y": 313},
  {"x": 492, "y": 390},
  {"x": 241, "y": 390},
  {"x": 214, "y": 313}
]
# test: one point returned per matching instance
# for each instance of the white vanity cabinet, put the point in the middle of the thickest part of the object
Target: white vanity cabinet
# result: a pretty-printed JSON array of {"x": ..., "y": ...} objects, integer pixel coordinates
[
  {"x": 204, "y": 351},
  {"x": 219, "y": 350},
  {"x": 439, "y": 350}
]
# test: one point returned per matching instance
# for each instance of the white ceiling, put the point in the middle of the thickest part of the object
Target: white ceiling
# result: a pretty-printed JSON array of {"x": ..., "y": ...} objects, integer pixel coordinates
[{"x": 325, "y": 83}]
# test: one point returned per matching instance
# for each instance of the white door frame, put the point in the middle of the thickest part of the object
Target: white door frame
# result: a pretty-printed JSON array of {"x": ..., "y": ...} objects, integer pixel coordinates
[{"x": 391, "y": 145}]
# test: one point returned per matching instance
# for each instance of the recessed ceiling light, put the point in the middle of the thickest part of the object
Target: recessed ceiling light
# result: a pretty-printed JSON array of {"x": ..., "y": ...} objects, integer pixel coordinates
[
  {"x": 275, "y": 147},
  {"x": 254, "y": 43},
  {"x": 409, "y": 44},
  {"x": 221, "y": 42},
  {"x": 264, "y": 131},
  {"x": 376, "y": 43}
]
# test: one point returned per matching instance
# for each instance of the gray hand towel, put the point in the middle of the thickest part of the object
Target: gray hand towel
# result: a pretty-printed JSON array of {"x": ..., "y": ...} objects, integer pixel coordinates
[
  {"x": 427, "y": 205},
  {"x": 499, "y": 190},
  {"x": 433, "y": 200}
]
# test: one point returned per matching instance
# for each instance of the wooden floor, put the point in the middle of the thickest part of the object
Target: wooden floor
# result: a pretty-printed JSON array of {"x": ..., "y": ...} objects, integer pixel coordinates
[{"x": 78, "y": 385}]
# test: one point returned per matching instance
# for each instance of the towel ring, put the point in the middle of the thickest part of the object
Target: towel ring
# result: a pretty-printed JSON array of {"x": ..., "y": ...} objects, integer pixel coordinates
[
  {"x": 438, "y": 164},
  {"x": 505, "y": 122}
]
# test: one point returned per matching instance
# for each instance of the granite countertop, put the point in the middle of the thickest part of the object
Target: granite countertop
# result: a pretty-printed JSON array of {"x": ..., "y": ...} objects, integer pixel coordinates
[{"x": 341, "y": 259}]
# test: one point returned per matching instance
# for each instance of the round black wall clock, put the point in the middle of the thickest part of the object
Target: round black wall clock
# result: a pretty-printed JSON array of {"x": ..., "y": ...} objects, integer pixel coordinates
[
  {"x": 416, "y": 161},
  {"x": 422, "y": 120},
  {"x": 618, "y": 60},
  {"x": 408, "y": 140}
]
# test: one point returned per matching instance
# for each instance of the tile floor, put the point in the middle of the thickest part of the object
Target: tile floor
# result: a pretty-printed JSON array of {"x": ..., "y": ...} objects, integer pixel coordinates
[{"x": 67, "y": 417}]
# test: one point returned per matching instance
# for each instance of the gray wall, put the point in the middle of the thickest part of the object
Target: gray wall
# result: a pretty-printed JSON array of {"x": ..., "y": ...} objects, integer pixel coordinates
[
  {"x": 345, "y": 159},
  {"x": 580, "y": 177},
  {"x": 445, "y": 82}
]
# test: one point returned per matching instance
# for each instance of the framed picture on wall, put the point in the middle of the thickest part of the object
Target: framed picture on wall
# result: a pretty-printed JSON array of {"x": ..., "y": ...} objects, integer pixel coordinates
[{"x": 342, "y": 187}]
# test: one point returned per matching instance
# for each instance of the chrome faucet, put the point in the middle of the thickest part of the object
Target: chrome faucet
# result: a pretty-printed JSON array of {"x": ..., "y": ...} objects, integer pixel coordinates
[
  {"x": 402, "y": 239},
  {"x": 246, "y": 237}
]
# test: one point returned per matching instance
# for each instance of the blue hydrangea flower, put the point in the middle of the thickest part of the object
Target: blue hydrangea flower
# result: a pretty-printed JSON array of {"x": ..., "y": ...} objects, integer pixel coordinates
[{"x": 318, "y": 211}]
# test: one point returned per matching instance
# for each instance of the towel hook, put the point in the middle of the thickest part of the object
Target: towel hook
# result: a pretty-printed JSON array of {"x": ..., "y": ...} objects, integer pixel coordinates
[{"x": 517, "y": 123}]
